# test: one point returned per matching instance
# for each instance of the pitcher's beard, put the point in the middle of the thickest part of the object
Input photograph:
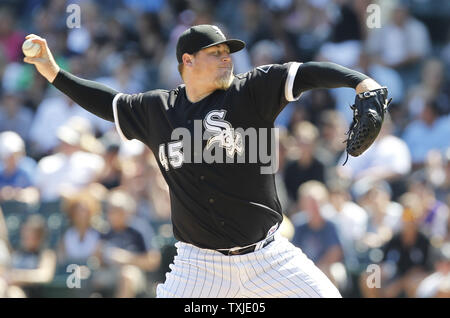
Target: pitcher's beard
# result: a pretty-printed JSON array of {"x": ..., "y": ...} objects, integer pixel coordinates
[{"x": 224, "y": 81}]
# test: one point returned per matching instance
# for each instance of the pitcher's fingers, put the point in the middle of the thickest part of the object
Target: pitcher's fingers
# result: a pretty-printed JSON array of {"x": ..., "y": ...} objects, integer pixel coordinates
[
  {"x": 39, "y": 41},
  {"x": 29, "y": 60},
  {"x": 33, "y": 60}
]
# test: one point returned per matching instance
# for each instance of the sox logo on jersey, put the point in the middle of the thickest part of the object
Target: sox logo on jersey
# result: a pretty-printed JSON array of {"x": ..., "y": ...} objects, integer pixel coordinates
[
  {"x": 219, "y": 132},
  {"x": 223, "y": 133}
]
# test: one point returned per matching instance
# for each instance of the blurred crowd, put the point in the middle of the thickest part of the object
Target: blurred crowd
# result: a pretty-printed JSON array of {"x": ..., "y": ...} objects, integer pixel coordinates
[{"x": 83, "y": 214}]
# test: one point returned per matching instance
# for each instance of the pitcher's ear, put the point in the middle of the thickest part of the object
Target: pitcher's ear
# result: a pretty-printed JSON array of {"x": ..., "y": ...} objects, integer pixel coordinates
[{"x": 187, "y": 59}]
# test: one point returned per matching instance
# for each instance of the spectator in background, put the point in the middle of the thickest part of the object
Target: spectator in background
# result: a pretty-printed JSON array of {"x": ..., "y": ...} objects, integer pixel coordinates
[
  {"x": 16, "y": 170},
  {"x": 385, "y": 215},
  {"x": 445, "y": 188},
  {"x": 317, "y": 101},
  {"x": 435, "y": 215},
  {"x": 11, "y": 38},
  {"x": 435, "y": 176},
  {"x": 431, "y": 87},
  {"x": 72, "y": 166},
  {"x": 405, "y": 261},
  {"x": 266, "y": 52},
  {"x": 5, "y": 257},
  {"x": 124, "y": 254},
  {"x": 245, "y": 18},
  {"x": 79, "y": 39},
  {"x": 284, "y": 147},
  {"x": 306, "y": 166},
  {"x": 345, "y": 41},
  {"x": 51, "y": 114},
  {"x": 390, "y": 78},
  {"x": 437, "y": 284},
  {"x": 332, "y": 127},
  {"x": 385, "y": 74},
  {"x": 124, "y": 76},
  {"x": 445, "y": 52},
  {"x": 382, "y": 74},
  {"x": 388, "y": 158},
  {"x": 401, "y": 44},
  {"x": 157, "y": 195},
  {"x": 429, "y": 131},
  {"x": 4, "y": 244},
  {"x": 33, "y": 264},
  {"x": 311, "y": 24},
  {"x": 14, "y": 116},
  {"x": 315, "y": 235},
  {"x": 3, "y": 228},
  {"x": 168, "y": 71},
  {"x": 351, "y": 222},
  {"x": 80, "y": 240},
  {"x": 435, "y": 172},
  {"x": 111, "y": 175},
  {"x": 142, "y": 180},
  {"x": 90, "y": 65},
  {"x": 150, "y": 34}
]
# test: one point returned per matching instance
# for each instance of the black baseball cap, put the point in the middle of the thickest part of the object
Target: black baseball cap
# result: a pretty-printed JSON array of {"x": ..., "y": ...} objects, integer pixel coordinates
[{"x": 202, "y": 36}]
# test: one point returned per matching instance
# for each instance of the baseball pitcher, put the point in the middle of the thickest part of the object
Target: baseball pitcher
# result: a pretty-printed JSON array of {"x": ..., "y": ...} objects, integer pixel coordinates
[{"x": 225, "y": 211}]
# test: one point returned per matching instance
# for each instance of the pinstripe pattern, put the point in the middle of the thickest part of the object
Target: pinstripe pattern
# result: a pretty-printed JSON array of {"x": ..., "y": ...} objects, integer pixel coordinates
[
  {"x": 221, "y": 277},
  {"x": 180, "y": 278},
  {"x": 278, "y": 270},
  {"x": 196, "y": 274},
  {"x": 203, "y": 276},
  {"x": 288, "y": 277},
  {"x": 230, "y": 280},
  {"x": 249, "y": 281},
  {"x": 292, "y": 280},
  {"x": 283, "y": 289}
]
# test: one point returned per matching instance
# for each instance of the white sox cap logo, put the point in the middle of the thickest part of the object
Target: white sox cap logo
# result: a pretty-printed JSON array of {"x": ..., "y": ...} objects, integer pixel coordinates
[{"x": 218, "y": 31}]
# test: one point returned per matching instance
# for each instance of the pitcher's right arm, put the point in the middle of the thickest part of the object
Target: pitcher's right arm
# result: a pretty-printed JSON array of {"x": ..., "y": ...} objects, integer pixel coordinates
[{"x": 92, "y": 96}]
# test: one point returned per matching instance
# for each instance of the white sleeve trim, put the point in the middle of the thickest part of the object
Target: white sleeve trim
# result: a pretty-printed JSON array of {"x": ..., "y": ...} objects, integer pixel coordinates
[
  {"x": 289, "y": 85},
  {"x": 116, "y": 117}
]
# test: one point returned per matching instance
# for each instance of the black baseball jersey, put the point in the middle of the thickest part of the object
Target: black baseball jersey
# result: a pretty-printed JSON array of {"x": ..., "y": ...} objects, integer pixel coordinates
[{"x": 224, "y": 203}]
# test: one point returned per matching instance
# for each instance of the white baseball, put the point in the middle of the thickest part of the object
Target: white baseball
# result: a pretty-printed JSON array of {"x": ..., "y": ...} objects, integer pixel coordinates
[{"x": 30, "y": 48}]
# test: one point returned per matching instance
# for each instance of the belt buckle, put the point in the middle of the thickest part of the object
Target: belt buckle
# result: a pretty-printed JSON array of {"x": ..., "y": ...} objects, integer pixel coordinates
[
  {"x": 235, "y": 250},
  {"x": 238, "y": 250},
  {"x": 264, "y": 243},
  {"x": 248, "y": 249},
  {"x": 260, "y": 245}
]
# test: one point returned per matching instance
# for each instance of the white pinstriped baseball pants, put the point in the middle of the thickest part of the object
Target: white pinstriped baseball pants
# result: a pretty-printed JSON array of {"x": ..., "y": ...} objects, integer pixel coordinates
[{"x": 280, "y": 270}]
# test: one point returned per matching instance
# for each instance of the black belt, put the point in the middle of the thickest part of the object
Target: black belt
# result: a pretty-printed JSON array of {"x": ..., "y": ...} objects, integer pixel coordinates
[{"x": 246, "y": 250}]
